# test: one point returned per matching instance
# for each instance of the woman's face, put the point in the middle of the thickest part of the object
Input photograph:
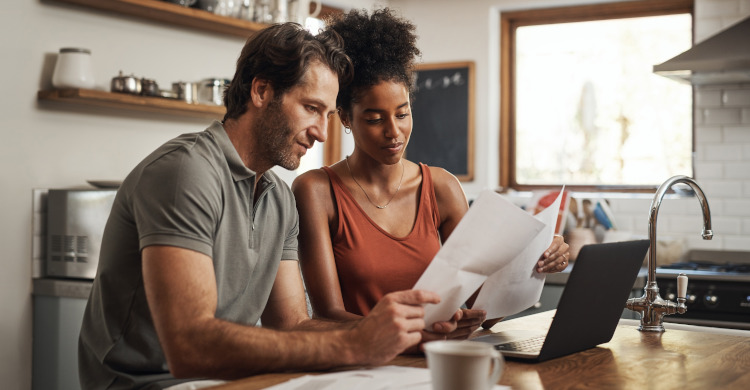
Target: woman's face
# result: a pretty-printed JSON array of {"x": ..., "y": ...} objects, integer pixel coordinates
[{"x": 381, "y": 121}]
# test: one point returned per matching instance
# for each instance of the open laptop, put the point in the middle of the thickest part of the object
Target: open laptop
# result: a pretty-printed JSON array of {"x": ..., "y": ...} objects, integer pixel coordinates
[{"x": 589, "y": 309}]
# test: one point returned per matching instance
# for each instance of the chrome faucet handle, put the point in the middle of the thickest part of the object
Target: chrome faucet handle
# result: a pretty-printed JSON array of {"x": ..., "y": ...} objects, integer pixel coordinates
[{"x": 682, "y": 281}]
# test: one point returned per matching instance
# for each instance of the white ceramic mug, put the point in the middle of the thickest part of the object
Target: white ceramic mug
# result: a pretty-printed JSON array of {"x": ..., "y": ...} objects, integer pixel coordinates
[
  {"x": 299, "y": 10},
  {"x": 465, "y": 365}
]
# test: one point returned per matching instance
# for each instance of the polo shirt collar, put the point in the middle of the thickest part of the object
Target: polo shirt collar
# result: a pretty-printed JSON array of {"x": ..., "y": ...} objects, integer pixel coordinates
[{"x": 236, "y": 166}]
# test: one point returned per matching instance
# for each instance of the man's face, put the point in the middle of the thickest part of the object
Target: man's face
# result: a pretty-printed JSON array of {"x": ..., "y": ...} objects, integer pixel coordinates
[{"x": 291, "y": 123}]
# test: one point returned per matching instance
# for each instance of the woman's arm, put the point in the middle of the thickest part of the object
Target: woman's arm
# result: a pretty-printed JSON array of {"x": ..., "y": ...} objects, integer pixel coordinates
[
  {"x": 317, "y": 216},
  {"x": 451, "y": 201}
]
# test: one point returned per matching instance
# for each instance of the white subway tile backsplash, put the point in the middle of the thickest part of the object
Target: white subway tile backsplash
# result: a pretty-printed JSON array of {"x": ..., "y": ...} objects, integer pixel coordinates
[
  {"x": 737, "y": 207},
  {"x": 746, "y": 226},
  {"x": 708, "y": 135},
  {"x": 737, "y": 134},
  {"x": 722, "y": 188},
  {"x": 704, "y": 170},
  {"x": 716, "y": 205},
  {"x": 706, "y": 9},
  {"x": 695, "y": 241},
  {"x": 727, "y": 225},
  {"x": 737, "y": 242},
  {"x": 683, "y": 224},
  {"x": 736, "y": 98},
  {"x": 722, "y": 116},
  {"x": 677, "y": 206},
  {"x": 722, "y": 152},
  {"x": 630, "y": 206},
  {"x": 708, "y": 98},
  {"x": 737, "y": 170},
  {"x": 722, "y": 163}
]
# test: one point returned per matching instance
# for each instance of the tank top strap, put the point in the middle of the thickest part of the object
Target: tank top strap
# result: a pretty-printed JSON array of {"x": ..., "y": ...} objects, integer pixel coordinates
[{"x": 429, "y": 200}]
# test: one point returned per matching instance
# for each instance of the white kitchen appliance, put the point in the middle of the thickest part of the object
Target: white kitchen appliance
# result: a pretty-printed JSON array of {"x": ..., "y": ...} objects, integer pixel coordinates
[{"x": 75, "y": 225}]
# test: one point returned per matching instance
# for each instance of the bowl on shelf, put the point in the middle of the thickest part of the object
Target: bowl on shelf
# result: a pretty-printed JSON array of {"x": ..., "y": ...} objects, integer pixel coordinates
[{"x": 184, "y": 3}]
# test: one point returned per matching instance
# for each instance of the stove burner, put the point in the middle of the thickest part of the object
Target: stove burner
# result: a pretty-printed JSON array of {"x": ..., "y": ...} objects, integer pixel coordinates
[{"x": 709, "y": 266}]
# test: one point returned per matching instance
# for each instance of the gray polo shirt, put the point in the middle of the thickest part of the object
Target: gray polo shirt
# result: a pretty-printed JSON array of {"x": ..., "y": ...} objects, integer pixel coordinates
[{"x": 193, "y": 192}]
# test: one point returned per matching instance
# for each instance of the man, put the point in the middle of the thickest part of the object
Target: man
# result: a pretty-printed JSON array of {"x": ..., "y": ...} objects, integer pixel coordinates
[{"x": 201, "y": 243}]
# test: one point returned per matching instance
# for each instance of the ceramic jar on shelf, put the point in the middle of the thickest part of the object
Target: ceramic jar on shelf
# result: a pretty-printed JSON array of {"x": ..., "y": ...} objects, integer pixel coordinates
[{"x": 73, "y": 69}]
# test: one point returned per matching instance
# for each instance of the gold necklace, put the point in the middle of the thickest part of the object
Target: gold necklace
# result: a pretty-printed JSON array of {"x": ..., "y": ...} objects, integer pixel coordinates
[{"x": 368, "y": 196}]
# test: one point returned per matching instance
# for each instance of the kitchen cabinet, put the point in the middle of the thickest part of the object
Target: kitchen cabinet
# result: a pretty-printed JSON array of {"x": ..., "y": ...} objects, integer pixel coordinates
[
  {"x": 58, "y": 312},
  {"x": 125, "y": 101},
  {"x": 164, "y": 12}
]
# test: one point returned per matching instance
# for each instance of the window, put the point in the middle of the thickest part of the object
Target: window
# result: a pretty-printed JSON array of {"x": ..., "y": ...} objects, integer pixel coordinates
[{"x": 580, "y": 104}]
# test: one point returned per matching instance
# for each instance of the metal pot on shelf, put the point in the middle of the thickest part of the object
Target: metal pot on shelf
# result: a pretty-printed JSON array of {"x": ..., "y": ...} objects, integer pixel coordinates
[
  {"x": 149, "y": 87},
  {"x": 211, "y": 91},
  {"x": 126, "y": 84},
  {"x": 186, "y": 91}
]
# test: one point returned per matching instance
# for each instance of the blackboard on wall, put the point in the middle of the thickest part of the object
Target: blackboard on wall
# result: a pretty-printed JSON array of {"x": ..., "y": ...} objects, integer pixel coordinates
[{"x": 443, "y": 112}]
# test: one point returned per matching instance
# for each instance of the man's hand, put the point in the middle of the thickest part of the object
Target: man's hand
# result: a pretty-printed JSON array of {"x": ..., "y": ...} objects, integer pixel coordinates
[{"x": 393, "y": 325}]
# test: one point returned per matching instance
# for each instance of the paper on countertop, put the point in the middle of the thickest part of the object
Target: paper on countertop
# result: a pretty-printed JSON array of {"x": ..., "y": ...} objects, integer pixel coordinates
[
  {"x": 517, "y": 286},
  {"x": 489, "y": 237},
  {"x": 378, "y": 378}
]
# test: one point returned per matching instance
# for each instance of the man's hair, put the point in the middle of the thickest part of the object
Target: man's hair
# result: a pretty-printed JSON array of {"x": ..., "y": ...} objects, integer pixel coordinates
[
  {"x": 282, "y": 54},
  {"x": 382, "y": 47}
]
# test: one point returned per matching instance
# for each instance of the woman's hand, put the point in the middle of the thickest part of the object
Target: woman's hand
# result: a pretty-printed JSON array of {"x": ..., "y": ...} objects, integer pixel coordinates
[
  {"x": 555, "y": 258},
  {"x": 467, "y": 321},
  {"x": 491, "y": 322}
]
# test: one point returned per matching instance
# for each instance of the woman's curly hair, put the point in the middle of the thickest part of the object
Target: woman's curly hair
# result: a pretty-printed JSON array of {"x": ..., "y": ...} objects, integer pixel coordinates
[{"x": 382, "y": 47}]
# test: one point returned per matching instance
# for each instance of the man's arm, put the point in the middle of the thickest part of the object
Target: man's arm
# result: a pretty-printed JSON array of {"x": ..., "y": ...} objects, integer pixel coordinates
[
  {"x": 181, "y": 291},
  {"x": 287, "y": 307}
]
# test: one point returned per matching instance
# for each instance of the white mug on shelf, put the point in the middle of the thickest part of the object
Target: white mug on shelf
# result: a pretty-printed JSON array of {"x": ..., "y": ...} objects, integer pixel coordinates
[
  {"x": 299, "y": 10},
  {"x": 462, "y": 364}
]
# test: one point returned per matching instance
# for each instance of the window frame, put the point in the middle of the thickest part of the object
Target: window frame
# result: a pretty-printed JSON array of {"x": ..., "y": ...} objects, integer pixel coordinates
[{"x": 510, "y": 21}]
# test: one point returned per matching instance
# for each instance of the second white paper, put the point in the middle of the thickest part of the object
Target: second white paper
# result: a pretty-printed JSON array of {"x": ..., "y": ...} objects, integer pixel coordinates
[
  {"x": 516, "y": 286},
  {"x": 491, "y": 234}
]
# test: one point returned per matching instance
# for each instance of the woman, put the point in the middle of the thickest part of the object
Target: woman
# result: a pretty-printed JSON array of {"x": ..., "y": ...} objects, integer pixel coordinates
[{"x": 371, "y": 223}]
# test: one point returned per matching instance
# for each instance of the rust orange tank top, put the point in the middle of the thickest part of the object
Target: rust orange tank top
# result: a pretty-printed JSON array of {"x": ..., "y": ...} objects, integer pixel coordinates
[{"x": 370, "y": 261}]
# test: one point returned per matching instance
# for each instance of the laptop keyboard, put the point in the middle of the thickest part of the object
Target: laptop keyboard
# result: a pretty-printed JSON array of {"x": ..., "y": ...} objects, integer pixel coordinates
[{"x": 533, "y": 344}]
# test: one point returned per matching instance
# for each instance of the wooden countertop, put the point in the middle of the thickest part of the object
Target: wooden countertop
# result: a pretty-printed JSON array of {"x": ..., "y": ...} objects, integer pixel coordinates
[{"x": 675, "y": 359}]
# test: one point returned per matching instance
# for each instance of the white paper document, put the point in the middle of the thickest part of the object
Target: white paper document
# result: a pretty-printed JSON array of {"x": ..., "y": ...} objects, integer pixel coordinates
[
  {"x": 378, "y": 378},
  {"x": 517, "y": 286},
  {"x": 496, "y": 243}
]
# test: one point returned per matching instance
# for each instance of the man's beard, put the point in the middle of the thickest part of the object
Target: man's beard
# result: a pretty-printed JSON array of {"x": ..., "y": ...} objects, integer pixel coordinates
[{"x": 275, "y": 141}]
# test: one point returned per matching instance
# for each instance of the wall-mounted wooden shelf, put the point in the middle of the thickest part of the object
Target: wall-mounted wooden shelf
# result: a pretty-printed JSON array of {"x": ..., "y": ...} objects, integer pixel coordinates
[
  {"x": 159, "y": 105},
  {"x": 162, "y": 11}
]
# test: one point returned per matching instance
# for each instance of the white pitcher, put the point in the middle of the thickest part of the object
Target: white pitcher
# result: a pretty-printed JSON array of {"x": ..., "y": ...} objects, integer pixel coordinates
[{"x": 299, "y": 10}]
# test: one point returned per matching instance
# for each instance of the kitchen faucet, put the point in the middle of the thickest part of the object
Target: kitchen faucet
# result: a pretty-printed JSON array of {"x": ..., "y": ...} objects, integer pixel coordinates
[{"x": 651, "y": 306}]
